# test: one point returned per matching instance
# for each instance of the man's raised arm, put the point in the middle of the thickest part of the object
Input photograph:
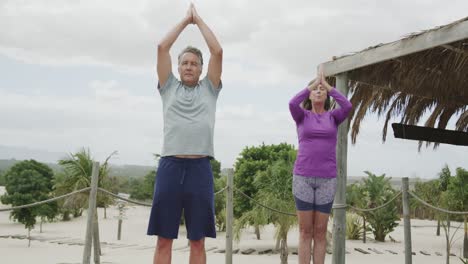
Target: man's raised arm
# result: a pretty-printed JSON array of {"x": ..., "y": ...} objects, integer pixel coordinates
[
  {"x": 215, "y": 65},
  {"x": 163, "y": 66}
]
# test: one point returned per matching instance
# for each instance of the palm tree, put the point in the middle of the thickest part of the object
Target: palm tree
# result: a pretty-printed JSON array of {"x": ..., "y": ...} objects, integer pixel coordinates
[
  {"x": 274, "y": 189},
  {"x": 354, "y": 196},
  {"x": 444, "y": 180},
  {"x": 430, "y": 192},
  {"x": 377, "y": 191},
  {"x": 77, "y": 175},
  {"x": 458, "y": 193}
]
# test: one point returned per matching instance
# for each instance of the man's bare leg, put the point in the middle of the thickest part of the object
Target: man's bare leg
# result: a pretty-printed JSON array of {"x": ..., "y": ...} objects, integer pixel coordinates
[
  {"x": 163, "y": 252},
  {"x": 197, "y": 251}
]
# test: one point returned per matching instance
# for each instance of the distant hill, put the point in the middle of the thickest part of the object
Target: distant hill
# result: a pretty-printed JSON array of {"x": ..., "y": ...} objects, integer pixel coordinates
[
  {"x": 133, "y": 171},
  {"x": 23, "y": 153},
  {"x": 6, "y": 164},
  {"x": 10, "y": 155},
  {"x": 136, "y": 171},
  {"x": 394, "y": 181}
]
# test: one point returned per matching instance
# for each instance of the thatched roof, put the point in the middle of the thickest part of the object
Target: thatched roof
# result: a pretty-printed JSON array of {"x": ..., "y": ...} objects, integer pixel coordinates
[{"x": 433, "y": 80}]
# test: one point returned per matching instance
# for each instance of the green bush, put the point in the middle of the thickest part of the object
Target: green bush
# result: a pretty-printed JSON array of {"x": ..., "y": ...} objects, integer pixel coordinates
[{"x": 354, "y": 228}]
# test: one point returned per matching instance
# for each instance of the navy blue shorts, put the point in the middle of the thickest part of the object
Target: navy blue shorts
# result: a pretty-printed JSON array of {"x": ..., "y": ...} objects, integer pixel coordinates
[{"x": 183, "y": 185}]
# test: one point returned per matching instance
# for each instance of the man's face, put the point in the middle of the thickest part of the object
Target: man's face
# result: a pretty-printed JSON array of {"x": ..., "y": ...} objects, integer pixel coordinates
[{"x": 190, "y": 69}]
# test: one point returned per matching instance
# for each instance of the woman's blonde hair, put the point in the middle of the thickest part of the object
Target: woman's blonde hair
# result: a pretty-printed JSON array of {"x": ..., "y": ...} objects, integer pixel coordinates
[{"x": 307, "y": 103}]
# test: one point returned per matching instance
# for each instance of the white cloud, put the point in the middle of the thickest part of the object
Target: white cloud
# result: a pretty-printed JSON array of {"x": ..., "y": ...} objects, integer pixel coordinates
[
  {"x": 112, "y": 119},
  {"x": 296, "y": 35},
  {"x": 271, "y": 49}
]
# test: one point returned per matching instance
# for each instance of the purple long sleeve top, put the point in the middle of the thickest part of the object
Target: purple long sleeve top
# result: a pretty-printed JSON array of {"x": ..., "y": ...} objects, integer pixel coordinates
[{"x": 317, "y": 135}]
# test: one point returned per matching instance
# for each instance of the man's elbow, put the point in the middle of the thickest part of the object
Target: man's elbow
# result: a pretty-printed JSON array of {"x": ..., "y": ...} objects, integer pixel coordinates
[
  {"x": 217, "y": 52},
  {"x": 162, "y": 47}
]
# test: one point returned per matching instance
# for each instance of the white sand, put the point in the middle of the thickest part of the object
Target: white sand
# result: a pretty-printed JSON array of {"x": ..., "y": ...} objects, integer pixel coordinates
[{"x": 136, "y": 247}]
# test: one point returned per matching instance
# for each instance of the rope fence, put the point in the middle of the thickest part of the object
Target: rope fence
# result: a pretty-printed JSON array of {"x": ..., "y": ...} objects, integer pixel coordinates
[
  {"x": 335, "y": 206},
  {"x": 137, "y": 202},
  {"x": 220, "y": 191},
  {"x": 339, "y": 206},
  {"x": 229, "y": 189},
  {"x": 376, "y": 208},
  {"x": 262, "y": 205},
  {"x": 123, "y": 198},
  {"x": 436, "y": 208},
  {"x": 45, "y": 201},
  {"x": 81, "y": 191}
]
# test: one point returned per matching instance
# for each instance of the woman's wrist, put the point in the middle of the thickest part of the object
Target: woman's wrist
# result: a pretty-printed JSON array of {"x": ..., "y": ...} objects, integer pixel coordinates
[{"x": 328, "y": 86}]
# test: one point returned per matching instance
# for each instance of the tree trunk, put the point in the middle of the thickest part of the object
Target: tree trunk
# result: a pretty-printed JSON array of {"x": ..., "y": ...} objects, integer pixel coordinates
[
  {"x": 284, "y": 250},
  {"x": 364, "y": 230},
  {"x": 29, "y": 237},
  {"x": 278, "y": 241},
  {"x": 40, "y": 226},
  {"x": 257, "y": 232},
  {"x": 96, "y": 238},
  {"x": 105, "y": 212},
  {"x": 66, "y": 215},
  {"x": 380, "y": 237},
  {"x": 438, "y": 228}
]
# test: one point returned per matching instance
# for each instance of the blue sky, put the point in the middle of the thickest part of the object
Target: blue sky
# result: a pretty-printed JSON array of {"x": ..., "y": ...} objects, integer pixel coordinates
[{"x": 81, "y": 73}]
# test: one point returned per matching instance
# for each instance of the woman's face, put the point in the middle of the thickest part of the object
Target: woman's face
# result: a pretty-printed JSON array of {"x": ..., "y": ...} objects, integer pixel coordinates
[{"x": 318, "y": 94}]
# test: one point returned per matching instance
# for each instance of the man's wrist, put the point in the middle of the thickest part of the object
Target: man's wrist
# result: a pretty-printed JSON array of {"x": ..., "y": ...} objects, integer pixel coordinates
[{"x": 187, "y": 21}]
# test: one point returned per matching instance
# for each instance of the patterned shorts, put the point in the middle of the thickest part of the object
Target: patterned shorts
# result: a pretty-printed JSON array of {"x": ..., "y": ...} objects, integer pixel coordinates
[{"x": 314, "y": 193}]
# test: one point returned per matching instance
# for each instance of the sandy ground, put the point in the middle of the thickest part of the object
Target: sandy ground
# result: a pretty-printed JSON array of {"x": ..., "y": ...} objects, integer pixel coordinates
[{"x": 61, "y": 242}]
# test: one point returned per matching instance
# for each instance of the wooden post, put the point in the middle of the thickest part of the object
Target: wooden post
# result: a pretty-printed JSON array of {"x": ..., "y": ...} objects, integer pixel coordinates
[
  {"x": 447, "y": 240},
  {"x": 96, "y": 239},
  {"x": 91, "y": 210},
  {"x": 121, "y": 206},
  {"x": 229, "y": 215},
  {"x": 339, "y": 213},
  {"x": 465, "y": 238},
  {"x": 406, "y": 221},
  {"x": 119, "y": 229}
]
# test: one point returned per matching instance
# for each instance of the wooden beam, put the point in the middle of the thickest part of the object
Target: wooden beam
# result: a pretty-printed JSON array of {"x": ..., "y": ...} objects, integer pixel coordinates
[
  {"x": 424, "y": 41},
  {"x": 430, "y": 134}
]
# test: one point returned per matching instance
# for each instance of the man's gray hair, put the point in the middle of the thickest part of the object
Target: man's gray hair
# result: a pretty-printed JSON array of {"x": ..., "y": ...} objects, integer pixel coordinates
[{"x": 192, "y": 50}]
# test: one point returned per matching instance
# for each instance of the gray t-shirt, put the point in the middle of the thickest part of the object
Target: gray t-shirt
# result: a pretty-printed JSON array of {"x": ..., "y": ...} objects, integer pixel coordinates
[{"x": 189, "y": 117}]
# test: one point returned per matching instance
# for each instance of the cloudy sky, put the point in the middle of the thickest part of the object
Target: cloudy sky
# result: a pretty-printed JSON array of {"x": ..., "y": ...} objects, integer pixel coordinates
[{"x": 82, "y": 74}]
